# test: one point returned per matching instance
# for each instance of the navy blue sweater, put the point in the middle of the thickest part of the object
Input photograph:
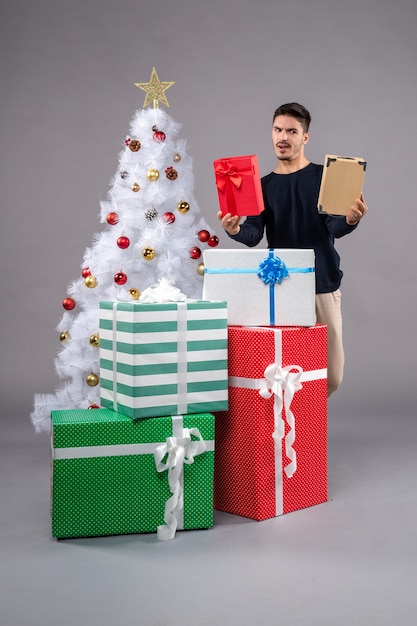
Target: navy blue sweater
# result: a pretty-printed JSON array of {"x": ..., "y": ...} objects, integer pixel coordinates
[{"x": 291, "y": 220}]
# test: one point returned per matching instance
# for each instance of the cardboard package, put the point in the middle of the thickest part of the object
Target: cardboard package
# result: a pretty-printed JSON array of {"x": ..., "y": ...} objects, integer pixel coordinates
[{"x": 341, "y": 184}]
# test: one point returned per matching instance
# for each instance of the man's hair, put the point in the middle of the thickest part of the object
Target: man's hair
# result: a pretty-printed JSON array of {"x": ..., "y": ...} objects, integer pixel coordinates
[{"x": 295, "y": 110}]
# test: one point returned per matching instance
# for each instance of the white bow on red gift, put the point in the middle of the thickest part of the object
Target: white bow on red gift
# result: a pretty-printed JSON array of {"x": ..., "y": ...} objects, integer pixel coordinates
[{"x": 276, "y": 380}]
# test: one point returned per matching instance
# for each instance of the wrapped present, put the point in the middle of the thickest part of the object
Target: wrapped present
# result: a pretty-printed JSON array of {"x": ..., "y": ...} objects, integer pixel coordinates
[
  {"x": 278, "y": 285},
  {"x": 271, "y": 444},
  {"x": 109, "y": 478},
  {"x": 161, "y": 359},
  {"x": 341, "y": 184},
  {"x": 239, "y": 185}
]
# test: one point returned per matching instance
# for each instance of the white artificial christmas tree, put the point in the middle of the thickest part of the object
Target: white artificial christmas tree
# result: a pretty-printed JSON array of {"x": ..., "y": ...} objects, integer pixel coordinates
[{"x": 153, "y": 230}]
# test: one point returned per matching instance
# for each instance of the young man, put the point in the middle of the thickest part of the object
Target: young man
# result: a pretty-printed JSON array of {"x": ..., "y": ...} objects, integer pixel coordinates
[{"x": 291, "y": 220}]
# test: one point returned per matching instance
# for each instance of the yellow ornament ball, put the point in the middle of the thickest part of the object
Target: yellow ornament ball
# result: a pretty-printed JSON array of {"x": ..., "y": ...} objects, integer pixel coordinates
[
  {"x": 91, "y": 282},
  {"x": 152, "y": 174},
  {"x": 200, "y": 269},
  {"x": 135, "y": 187},
  {"x": 134, "y": 293},
  {"x": 148, "y": 254},
  {"x": 95, "y": 340},
  {"x": 92, "y": 380},
  {"x": 64, "y": 336},
  {"x": 183, "y": 206}
]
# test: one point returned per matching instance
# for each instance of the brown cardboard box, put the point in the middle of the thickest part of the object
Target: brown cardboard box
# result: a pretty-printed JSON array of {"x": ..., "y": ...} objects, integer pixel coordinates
[{"x": 341, "y": 184}]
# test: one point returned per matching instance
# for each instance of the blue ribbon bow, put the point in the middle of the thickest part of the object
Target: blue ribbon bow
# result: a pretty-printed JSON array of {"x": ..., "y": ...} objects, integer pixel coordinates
[{"x": 272, "y": 270}]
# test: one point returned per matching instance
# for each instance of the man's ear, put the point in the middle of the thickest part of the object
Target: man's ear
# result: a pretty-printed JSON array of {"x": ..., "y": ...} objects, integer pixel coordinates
[{"x": 306, "y": 138}]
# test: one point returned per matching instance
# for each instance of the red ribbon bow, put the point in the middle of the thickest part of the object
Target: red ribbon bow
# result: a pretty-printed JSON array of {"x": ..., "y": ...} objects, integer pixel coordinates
[{"x": 225, "y": 172}]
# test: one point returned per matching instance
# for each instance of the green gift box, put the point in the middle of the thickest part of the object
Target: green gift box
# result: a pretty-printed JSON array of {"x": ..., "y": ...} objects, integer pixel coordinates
[
  {"x": 108, "y": 473},
  {"x": 163, "y": 359}
]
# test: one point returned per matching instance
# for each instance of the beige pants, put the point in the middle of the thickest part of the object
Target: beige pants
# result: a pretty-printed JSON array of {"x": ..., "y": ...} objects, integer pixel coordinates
[{"x": 329, "y": 312}]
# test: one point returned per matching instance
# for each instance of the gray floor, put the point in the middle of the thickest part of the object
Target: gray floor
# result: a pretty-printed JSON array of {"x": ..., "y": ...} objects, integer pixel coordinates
[{"x": 351, "y": 561}]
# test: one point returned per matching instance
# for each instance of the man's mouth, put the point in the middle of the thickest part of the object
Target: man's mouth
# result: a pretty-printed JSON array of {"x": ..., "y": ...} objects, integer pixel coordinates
[{"x": 283, "y": 146}]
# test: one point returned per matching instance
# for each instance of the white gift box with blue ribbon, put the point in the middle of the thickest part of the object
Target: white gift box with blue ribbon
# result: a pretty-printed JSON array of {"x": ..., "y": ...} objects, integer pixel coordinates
[{"x": 274, "y": 287}]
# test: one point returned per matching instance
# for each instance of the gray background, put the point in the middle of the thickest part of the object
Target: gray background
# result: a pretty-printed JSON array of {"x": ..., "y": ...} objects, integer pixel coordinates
[
  {"x": 67, "y": 98},
  {"x": 67, "y": 74}
]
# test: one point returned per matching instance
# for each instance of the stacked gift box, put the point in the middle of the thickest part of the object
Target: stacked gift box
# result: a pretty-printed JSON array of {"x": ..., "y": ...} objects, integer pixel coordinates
[
  {"x": 110, "y": 475},
  {"x": 245, "y": 368},
  {"x": 144, "y": 462},
  {"x": 271, "y": 442}
]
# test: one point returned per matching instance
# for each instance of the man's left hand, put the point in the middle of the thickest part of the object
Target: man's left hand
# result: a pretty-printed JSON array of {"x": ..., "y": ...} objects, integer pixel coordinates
[{"x": 357, "y": 212}]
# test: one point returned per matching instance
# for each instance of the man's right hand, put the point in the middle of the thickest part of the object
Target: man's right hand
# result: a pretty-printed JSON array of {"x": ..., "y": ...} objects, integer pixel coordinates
[{"x": 230, "y": 223}]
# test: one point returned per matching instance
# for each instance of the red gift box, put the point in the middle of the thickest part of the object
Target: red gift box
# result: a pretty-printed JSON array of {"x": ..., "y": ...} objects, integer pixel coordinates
[
  {"x": 239, "y": 185},
  {"x": 271, "y": 445}
]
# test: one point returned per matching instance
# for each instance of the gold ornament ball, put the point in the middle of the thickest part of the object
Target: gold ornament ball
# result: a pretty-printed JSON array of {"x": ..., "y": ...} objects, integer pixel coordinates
[
  {"x": 92, "y": 380},
  {"x": 183, "y": 206},
  {"x": 135, "y": 293},
  {"x": 95, "y": 340},
  {"x": 148, "y": 254},
  {"x": 200, "y": 269},
  {"x": 135, "y": 187},
  {"x": 91, "y": 282},
  {"x": 152, "y": 174},
  {"x": 64, "y": 336},
  {"x": 177, "y": 157}
]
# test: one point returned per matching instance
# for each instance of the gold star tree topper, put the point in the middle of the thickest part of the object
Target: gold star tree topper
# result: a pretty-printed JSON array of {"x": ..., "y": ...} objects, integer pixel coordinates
[{"x": 155, "y": 90}]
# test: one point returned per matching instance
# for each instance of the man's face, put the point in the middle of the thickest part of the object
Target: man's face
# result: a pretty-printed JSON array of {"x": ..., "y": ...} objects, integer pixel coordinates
[{"x": 288, "y": 138}]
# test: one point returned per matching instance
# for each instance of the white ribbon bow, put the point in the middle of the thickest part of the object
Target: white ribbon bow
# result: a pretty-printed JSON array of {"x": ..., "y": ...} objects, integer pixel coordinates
[
  {"x": 178, "y": 450},
  {"x": 162, "y": 292},
  {"x": 276, "y": 380}
]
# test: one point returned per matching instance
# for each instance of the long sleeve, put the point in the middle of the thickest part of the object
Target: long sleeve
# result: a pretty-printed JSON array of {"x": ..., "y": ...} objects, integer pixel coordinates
[
  {"x": 337, "y": 226},
  {"x": 251, "y": 231},
  {"x": 291, "y": 220}
]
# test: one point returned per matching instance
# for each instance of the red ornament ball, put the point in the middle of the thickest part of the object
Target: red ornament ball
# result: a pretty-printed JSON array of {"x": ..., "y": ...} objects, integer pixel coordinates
[
  {"x": 93, "y": 406},
  {"x": 68, "y": 304},
  {"x": 85, "y": 272},
  {"x": 195, "y": 253},
  {"x": 112, "y": 218},
  {"x": 168, "y": 217},
  {"x": 159, "y": 136},
  {"x": 213, "y": 241},
  {"x": 203, "y": 235},
  {"x": 120, "y": 278},
  {"x": 123, "y": 242}
]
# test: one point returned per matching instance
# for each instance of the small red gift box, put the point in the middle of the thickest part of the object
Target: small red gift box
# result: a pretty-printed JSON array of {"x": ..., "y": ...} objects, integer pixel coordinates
[
  {"x": 271, "y": 445},
  {"x": 239, "y": 185}
]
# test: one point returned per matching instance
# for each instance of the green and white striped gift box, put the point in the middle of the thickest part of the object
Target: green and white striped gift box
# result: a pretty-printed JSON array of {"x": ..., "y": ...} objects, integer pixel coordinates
[{"x": 163, "y": 359}]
